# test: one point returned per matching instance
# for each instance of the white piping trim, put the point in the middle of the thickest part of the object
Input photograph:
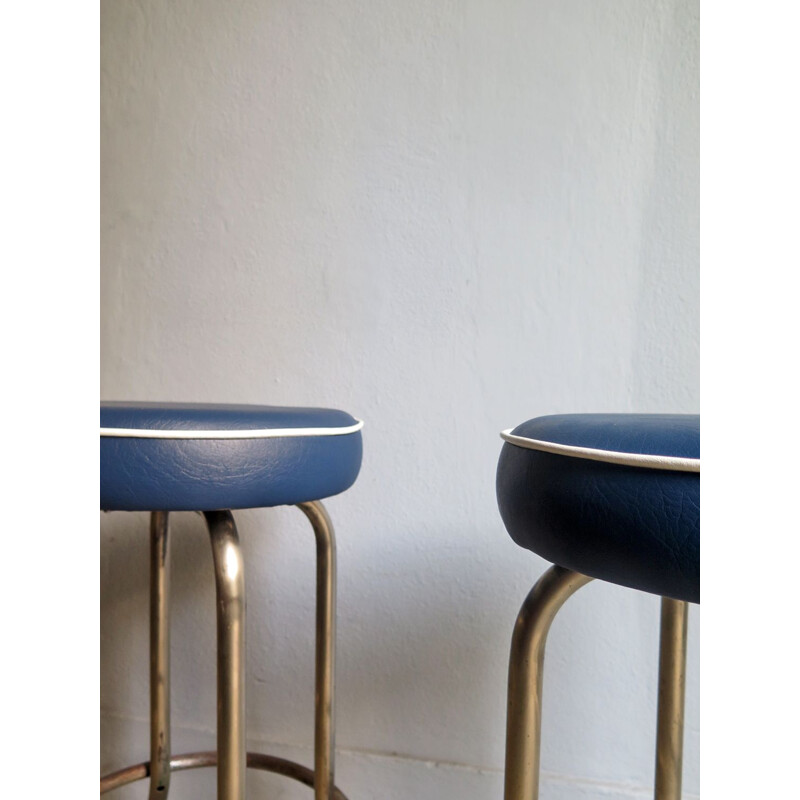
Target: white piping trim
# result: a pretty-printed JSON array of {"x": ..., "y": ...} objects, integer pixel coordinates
[
  {"x": 674, "y": 463},
  {"x": 255, "y": 433}
]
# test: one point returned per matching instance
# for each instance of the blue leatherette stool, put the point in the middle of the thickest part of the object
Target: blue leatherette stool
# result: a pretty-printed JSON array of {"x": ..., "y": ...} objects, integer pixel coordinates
[
  {"x": 214, "y": 458},
  {"x": 614, "y": 497}
]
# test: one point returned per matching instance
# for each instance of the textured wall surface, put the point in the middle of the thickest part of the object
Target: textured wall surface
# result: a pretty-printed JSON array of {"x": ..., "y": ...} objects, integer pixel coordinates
[{"x": 443, "y": 218}]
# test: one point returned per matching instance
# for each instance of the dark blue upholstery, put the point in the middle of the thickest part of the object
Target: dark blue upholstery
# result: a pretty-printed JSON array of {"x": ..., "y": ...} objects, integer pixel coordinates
[
  {"x": 630, "y": 525},
  {"x": 202, "y": 474}
]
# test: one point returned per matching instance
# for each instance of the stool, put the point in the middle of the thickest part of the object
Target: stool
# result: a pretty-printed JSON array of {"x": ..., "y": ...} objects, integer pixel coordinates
[
  {"x": 214, "y": 458},
  {"x": 614, "y": 497}
]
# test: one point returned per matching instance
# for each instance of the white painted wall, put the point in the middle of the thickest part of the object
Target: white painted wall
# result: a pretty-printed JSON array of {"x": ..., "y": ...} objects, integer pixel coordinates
[{"x": 444, "y": 218}]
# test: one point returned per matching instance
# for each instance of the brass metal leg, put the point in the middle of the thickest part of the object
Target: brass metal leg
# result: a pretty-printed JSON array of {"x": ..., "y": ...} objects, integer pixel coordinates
[
  {"x": 159, "y": 656},
  {"x": 325, "y": 649},
  {"x": 229, "y": 572},
  {"x": 524, "y": 720},
  {"x": 230, "y": 756},
  {"x": 671, "y": 694}
]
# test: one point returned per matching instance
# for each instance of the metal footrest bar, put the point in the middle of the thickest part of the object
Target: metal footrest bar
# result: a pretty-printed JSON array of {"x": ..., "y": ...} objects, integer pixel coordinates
[{"x": 280, "y": 766}]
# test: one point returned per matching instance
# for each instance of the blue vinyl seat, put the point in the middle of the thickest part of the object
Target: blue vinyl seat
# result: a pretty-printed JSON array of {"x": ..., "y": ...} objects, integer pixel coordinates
[
  {"x": 614, "y": 497},
  {"x": 193, "y": 457},
  {"x": 213, "y": 458}
]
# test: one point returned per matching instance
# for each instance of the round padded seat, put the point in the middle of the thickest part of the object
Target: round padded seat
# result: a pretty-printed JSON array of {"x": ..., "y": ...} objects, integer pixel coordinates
[
  {"x": 197, "y": 457},
  {"x": 613, "y": 496}
]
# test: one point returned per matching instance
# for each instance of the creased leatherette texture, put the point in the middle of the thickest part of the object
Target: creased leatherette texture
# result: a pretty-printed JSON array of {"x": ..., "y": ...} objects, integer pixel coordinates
[
  {"x": 635, "y": 527},
  {"x": 198, "y": 475}
]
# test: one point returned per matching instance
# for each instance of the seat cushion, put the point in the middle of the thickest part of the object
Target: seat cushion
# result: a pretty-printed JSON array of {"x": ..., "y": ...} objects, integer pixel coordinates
[
  {"x": 613, "y": 496},
  {"x": 192, "y": 457}
]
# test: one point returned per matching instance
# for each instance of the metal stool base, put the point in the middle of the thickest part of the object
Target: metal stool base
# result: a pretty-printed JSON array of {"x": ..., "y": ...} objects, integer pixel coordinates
[
  {"x": 526, "y": 667},
  {"x": 230, "y": 757},
  {"x": 208, "y": 758}
]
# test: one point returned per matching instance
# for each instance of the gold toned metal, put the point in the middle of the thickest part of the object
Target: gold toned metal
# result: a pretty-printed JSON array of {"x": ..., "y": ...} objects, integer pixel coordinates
[
  {"x": 229, "y": 573},
  {"x": 325, "y": 654},
  {"x": 279, "y": 766},
  {"x": 524, "y": 720},
  {"x": 671, "y": 695},
  {"x": 159, "y": 655},
  {"x": 232, "y": 760}
]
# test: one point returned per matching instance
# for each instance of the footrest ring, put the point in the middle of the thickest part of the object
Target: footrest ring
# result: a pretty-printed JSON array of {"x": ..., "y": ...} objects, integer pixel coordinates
[{"x": 208, "y": 758}]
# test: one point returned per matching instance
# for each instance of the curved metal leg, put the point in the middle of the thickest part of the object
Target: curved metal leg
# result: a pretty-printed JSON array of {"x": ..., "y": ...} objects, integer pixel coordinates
[
  {"x": 229, "y": 572},
  {"x": 230, "y": 756},
  {"x": 159, "y": 656},
  {"x": 671, "y": 694},
  {"x": 524, "y": 720},
  {"x": 325, "y": 649}
]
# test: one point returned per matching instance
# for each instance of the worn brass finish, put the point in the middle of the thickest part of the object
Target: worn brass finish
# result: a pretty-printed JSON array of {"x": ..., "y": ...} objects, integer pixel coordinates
[
  {"x": 524, "y": 720},
  {"x": 325, "y": 654},
  {"x": 159, "y": 655},
  {"x": 233, "y": 759},
  {"x": 671, "y": 694},
  {"x": 229, "y": 573},
  {"x": 266, "y": 763}
]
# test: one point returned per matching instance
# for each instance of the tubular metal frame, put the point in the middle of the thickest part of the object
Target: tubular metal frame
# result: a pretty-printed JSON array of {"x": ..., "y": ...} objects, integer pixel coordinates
[
  {"x": 229, "y": 574},
  {"x": 325, "y": 653},
  {"x": 159, "y": 656},
  {"x": 259, "y": 761},
  {"x": 526, "y": 668},
  {"x": 231, "y": 758},
  {"x": 671, "y": 696}
]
